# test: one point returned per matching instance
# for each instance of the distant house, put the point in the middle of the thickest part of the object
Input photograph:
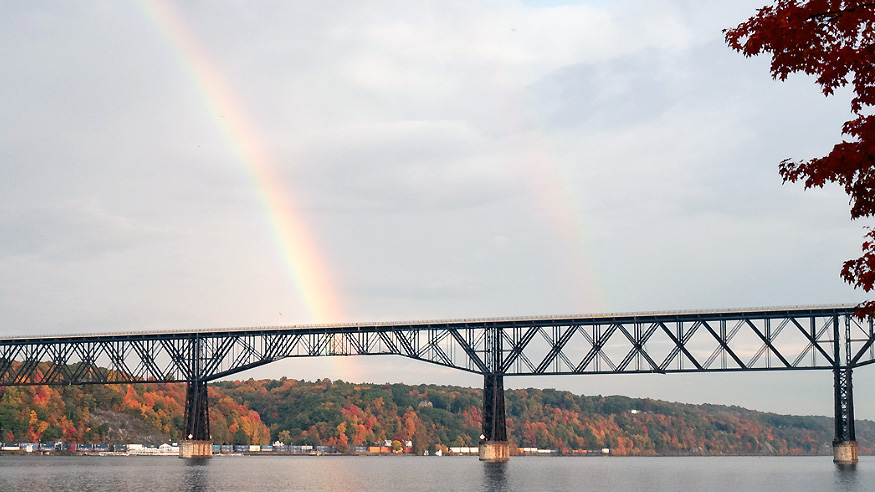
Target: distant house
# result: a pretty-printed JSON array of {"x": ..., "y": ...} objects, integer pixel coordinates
[
  {"x": 168, "y": 449},
  {"x": 464, "y": 450}
]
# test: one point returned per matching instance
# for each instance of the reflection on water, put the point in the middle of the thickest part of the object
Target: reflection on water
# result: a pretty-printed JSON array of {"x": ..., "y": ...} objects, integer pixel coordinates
[
  {"x": 196, "y": 475},
  {"x": 495, "y": 477},
  {"x": 196, "y": 462},
  {"x": 846, "y": 476}
]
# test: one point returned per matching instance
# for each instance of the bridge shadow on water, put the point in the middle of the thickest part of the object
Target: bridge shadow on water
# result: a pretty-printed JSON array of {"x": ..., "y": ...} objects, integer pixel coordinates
[{"x": 495, "y": 477}]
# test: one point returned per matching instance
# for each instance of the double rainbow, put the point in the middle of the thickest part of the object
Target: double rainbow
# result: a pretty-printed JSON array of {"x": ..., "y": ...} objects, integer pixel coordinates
[{"x": 301, "y": 256}]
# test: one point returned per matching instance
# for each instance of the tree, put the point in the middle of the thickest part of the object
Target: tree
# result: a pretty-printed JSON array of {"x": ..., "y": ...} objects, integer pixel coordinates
[
  {"x": 241, "y": 437},
  {"x": 420, "y": 440},
  {"x": 832, "y": 40},
  {"x": 285, "y": 437}
]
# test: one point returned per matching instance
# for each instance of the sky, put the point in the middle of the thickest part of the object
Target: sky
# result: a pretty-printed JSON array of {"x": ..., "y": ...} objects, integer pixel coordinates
[{"x": 185, "y": 165}]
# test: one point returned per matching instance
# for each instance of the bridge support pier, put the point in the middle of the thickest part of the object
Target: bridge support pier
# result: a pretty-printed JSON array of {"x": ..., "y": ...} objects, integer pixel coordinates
[
  {"x": 494, "y": 446},
  {"x": 844, "y": 453},
  {"x": 844, "y": 446},
  {"x": 197, "y": 443}
]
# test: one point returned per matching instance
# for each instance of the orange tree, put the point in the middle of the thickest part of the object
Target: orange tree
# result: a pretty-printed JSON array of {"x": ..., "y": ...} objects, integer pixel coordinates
[{"x": 834, "y": 41}]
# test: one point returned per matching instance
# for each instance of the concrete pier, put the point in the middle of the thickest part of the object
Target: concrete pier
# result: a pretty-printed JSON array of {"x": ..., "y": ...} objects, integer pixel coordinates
[
  {"x": 190, "y": 448},
  {"x": 497, "y": 451},
  {"x": 844, "y": 452}
]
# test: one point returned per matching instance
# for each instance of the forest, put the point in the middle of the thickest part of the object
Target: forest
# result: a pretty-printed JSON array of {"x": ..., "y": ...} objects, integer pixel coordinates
[{"x": 432, "y": 417}]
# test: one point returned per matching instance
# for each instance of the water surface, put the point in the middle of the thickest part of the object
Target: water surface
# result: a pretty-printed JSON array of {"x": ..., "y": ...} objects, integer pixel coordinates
[{"x": 351, "y": 473}]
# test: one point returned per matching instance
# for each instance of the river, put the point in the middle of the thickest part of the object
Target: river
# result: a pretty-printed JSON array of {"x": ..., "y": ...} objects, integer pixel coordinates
[{"x": 559, "y": 474}]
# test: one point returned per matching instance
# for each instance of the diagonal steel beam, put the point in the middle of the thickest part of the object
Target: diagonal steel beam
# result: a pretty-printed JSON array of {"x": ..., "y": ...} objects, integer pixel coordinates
[
  {"x": 767, "y": 345},
  {"x": 472, "y": 354},
  {"x": 680, "y": 346},
  {"x": 518, "y": 347},
  {"x": 597, "y": 342},
  {"x": 638, "y": 342},
  {"x": 723, "y": 348},
  {"x": 556, "y": 349}
]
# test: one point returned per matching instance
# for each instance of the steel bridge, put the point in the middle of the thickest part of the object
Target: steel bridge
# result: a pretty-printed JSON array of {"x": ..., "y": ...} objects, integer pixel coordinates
[{"x": 764, "y": 339}]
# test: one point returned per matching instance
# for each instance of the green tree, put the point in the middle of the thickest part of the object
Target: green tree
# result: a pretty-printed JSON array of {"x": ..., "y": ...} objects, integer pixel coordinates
[
  {"x": 241, "y": 437},
  {"x": 420, "y": 440},
  {"x": 285, "y": 437}
]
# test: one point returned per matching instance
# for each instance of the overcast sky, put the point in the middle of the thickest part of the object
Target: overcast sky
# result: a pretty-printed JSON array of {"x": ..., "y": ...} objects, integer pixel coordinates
[{"x": 204, "y": 165}]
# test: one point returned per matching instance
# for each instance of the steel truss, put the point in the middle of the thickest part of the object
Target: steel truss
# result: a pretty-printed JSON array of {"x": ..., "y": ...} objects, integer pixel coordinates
[
  {"x": 748, "y": 340},
  {"x": 802, "y": 338}
]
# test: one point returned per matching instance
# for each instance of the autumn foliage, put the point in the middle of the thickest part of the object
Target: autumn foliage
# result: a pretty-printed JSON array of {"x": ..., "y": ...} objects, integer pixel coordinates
[
  {"x": 833, "y": 41},
  {"x": 117, "y": 413},
  {"x": 336, "y": 413},
  {"x": 433, "y": 417}
]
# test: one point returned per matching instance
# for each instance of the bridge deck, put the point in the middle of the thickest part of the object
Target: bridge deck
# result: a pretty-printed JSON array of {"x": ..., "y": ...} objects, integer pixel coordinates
[
  {"x": 501, "y": 322},
  {"x": 786, "y": 338}
]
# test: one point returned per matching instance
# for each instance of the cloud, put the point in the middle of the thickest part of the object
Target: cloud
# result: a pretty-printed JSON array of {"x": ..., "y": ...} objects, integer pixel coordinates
[
  {"x": 69, "y": 231},
  {"x": 404, "y": 165}
]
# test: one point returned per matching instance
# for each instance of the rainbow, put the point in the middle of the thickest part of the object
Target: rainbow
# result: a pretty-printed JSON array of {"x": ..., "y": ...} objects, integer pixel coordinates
[
  {"x": 550, "y": 177},
  {"x": 553, "y": 181},
  {"x": 301, "y": 256}
]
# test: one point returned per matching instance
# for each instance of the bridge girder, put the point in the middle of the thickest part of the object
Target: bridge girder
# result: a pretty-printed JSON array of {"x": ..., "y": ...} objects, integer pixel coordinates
[
  {"x": 744, "y": 340},
  {"x": 808, "y": 338}
]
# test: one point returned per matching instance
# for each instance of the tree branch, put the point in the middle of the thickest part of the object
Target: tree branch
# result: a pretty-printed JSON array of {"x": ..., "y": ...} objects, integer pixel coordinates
[{"x": 835, "y": 14}]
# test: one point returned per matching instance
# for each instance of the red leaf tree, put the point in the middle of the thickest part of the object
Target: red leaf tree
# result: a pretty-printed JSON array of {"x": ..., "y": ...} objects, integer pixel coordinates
[{"x": 834, "y": 41}]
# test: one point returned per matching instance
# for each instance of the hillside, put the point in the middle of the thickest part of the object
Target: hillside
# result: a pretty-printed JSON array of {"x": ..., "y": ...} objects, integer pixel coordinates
[
  {"x": 149, "y": 413},
  {"x": 344, "y": 414},
  {"x": 339, "y": 413}
]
